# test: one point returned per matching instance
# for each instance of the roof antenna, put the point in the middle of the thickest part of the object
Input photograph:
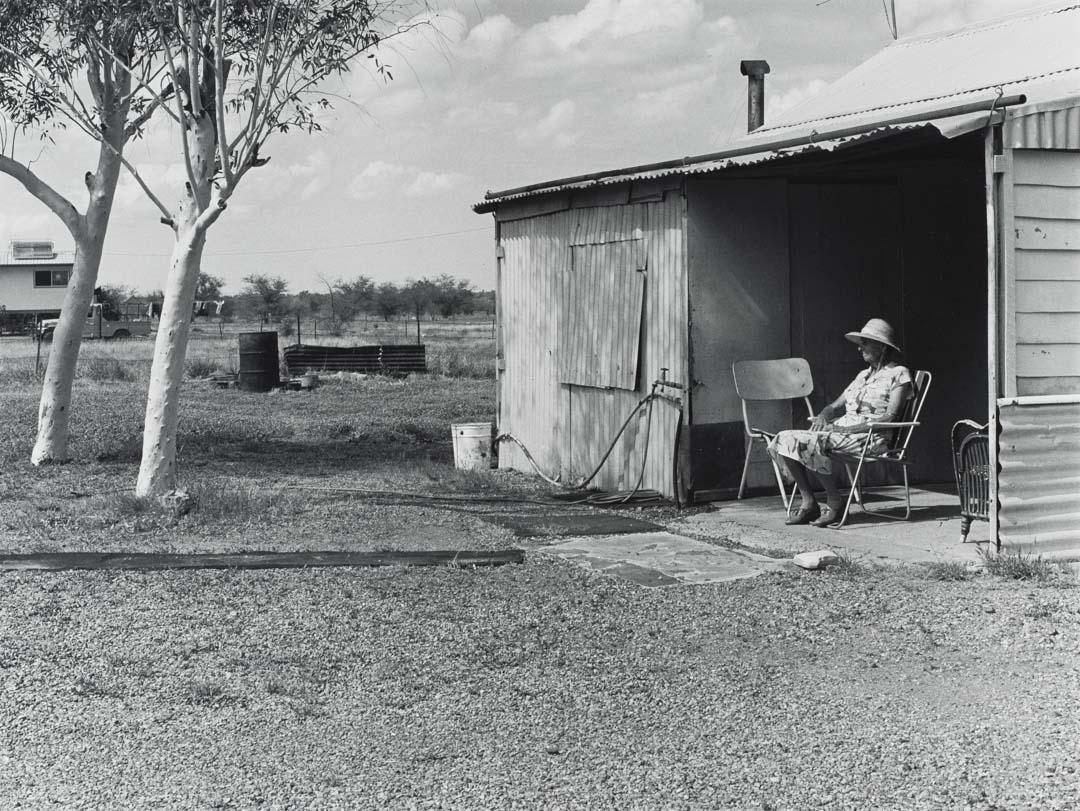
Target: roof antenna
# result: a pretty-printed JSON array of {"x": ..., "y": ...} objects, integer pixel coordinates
[{"x": 890, "y": 18}]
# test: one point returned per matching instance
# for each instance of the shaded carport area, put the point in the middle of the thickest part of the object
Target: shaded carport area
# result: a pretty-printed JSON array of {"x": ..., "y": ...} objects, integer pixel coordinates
[{"x": 786, "y": 256}]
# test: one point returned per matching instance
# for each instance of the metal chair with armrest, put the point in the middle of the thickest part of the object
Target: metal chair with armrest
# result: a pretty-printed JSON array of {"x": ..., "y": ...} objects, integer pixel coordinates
[
  {"x": 896, "y": 454},
  {"x": 770, "y": 380}
]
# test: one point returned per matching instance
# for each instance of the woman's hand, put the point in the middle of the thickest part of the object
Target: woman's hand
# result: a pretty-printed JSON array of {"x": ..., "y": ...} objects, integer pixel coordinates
[{"x": 819, "y": 423}]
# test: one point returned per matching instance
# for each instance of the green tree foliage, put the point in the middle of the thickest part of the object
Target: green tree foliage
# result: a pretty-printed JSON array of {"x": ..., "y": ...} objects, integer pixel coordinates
[
  {"x": 208, "y": 288},
  {"x": 418, "y": 296},
  {"x": 451, "y": 296},
  {"x": 265, "y": 294},
  {"x": 388, "y": 301},
  {"x": 354, "y": 297}
]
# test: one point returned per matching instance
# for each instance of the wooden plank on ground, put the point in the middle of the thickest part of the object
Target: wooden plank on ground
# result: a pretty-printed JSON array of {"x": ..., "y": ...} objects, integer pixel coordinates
[{"x": 55, "y": 561}]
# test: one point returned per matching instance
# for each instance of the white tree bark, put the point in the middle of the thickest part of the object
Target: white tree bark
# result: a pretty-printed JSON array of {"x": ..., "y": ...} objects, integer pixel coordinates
[
  {"x": 157, "y": 472},
  {"x": 55, "y": 406}
]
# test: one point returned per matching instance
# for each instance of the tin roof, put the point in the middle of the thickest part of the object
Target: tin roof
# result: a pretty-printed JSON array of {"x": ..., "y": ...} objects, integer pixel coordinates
[
  {"x": 1023, "y": 53},
  {"x": 927, "y": 81}
]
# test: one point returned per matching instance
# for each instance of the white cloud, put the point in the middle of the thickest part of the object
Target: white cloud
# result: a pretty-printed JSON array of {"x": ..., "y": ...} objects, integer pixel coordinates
[
  {"x": 487, "y": 40},
  {"x": 429, "y": 184},
  {"x": 553, "y": 128},
  {"x": 313, "y": 187},
  {"x": 677, "y": 101},
  {"x": 165, "y": 180},
  {"x": 607, "y": 33},
  {"x": 485, "y": 115},
  {"x": 383, "y": 179},
  {"x": 925, "y": 16},
  {"x": 39, "y": 225},
  {"x": 777, "y": 103}
]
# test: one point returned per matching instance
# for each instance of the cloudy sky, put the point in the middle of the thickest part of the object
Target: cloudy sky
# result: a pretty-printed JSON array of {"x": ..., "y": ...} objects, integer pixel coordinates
[{"x": 499, "y": 93}]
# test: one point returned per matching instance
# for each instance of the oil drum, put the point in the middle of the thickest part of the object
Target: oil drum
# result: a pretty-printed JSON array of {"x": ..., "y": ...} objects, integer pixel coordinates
[{"x": 258, "y": 361}]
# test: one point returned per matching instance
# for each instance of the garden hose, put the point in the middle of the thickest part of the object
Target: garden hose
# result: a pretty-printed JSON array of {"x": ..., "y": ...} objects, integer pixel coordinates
[{"x": 621, "y": 496}]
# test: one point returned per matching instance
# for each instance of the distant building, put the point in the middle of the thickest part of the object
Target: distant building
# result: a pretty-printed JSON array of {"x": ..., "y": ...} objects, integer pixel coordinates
[{"x": 33, "y": 280}]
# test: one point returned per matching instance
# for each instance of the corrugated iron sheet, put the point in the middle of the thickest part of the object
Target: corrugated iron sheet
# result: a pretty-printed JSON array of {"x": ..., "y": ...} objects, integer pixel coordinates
[
  {"x": 533, "y": 406},
  {"x": 1039, "y": 482},
  {"x": 1055, "y": 128},
  {"x": 617, "y": 176},
  {"x": 567, "y": 428},
  {"x": 1017, "y": 53},
  {"x": 602, "y": 315}
]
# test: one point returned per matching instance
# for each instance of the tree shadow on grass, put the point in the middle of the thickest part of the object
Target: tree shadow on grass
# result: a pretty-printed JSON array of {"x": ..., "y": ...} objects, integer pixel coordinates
[{"x": 318, "y": 459}]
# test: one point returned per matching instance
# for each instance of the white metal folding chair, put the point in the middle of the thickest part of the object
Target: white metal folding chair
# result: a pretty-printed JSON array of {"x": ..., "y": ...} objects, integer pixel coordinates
[
  {"x": 770, "y": 380},
  {"x": 896, "y": 454}
]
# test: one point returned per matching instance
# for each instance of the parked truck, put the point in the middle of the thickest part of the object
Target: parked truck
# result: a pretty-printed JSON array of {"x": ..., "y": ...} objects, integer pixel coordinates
[{"x": 96, "y": 325}]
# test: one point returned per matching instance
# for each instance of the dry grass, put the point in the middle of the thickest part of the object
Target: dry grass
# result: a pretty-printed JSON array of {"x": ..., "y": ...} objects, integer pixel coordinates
[
  {"x": 245, "y": 457},
  {"x": 454, "y": 349},
  {"x": 1019, "y": 566}
]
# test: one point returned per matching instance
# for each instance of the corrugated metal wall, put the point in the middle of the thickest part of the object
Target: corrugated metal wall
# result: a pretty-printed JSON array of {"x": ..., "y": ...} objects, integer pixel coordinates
[
  {"x": 567, "y": 427},
  {"x": 1045, "y": 129},
  {"x": 601, "y": 315},
  {"x": 1046, "y": 304},
  {"x": 1039, "y": 482}
]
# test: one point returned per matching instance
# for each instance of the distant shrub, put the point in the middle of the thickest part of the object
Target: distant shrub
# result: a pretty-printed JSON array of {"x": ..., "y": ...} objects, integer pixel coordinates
[
  {"x": 200, "y": 368},
  {"x": 105, "y": 368},
  {"x": 286, "y": 328},
  {"x": 461, "y": 361},
  {"x": 1020, "y": 567},
  {"x": 129, "y": 504},
  {"x": 948, "y": 571}
]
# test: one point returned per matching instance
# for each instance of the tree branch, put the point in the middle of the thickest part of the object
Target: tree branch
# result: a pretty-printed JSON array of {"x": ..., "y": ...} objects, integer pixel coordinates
[
  {"x": 57, "y": 203},
  {"x": 219, "y": 96},
  {"x": 179, "y": 109},
  {"x": 143, "y": 84}
]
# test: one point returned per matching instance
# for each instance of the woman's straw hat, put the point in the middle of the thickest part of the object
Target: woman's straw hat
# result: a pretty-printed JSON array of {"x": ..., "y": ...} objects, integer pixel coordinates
[{"x": 876, "y": 329}]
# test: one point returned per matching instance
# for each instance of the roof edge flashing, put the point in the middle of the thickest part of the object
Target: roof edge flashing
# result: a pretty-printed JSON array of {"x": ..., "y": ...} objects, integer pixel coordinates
[{"x": 931, "y": 117}]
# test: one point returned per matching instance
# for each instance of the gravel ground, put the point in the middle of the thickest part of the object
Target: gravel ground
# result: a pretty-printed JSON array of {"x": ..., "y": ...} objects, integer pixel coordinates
[{"x": 539, "y": 685}]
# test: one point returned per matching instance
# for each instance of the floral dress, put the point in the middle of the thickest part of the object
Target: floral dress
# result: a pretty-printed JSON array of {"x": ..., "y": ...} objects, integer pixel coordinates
[{"x": 865, "y": 399}]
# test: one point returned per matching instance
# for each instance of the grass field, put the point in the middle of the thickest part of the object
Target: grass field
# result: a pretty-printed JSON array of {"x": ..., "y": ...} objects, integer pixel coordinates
[{"x": 244, "y": 455}]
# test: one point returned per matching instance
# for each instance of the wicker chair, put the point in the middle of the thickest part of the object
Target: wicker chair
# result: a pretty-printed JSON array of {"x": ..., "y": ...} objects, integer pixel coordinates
[{"x": 971, "y": 462}]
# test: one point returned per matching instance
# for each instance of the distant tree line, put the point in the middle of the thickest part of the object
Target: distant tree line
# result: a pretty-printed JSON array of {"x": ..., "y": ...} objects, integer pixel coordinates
[
  {"x": 345, "y": 300},
  {"x": 268, "y": 298}
]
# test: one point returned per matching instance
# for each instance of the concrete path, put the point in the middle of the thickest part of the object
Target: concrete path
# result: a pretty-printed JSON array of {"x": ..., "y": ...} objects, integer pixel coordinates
[
  {"x": 662, "y": 559},
  {"x": 931, "y": 534}
]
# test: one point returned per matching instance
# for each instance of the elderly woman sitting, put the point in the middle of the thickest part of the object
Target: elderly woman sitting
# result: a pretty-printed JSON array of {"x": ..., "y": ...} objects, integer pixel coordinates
[{"x": 877, "y": 394}]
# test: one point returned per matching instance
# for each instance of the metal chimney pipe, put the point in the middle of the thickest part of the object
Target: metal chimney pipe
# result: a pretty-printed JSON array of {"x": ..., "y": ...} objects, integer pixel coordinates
[{"x": 755, "y": 69}]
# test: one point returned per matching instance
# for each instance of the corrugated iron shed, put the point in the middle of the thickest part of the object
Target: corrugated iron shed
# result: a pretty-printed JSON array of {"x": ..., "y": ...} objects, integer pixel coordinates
[{"x": 916, "y": 79}]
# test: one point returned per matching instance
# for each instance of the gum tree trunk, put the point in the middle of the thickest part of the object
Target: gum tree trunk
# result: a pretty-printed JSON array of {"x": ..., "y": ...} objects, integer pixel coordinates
[
  {"x": 55, "y": 406},
  {"x": 157, "y": 472}
]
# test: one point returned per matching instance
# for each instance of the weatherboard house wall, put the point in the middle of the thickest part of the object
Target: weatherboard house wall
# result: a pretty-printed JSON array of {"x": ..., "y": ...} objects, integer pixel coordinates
[
  {"x": 1014, "y": 83},
  {"x": 18, "y": 293}
]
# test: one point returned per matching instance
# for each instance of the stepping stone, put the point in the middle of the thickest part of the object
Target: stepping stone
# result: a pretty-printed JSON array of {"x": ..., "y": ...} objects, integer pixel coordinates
[{"x": 662, "y": 559}]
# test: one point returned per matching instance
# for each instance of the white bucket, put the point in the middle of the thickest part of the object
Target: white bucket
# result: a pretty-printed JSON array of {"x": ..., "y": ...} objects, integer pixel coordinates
[{"x": 472, "y": 445}]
